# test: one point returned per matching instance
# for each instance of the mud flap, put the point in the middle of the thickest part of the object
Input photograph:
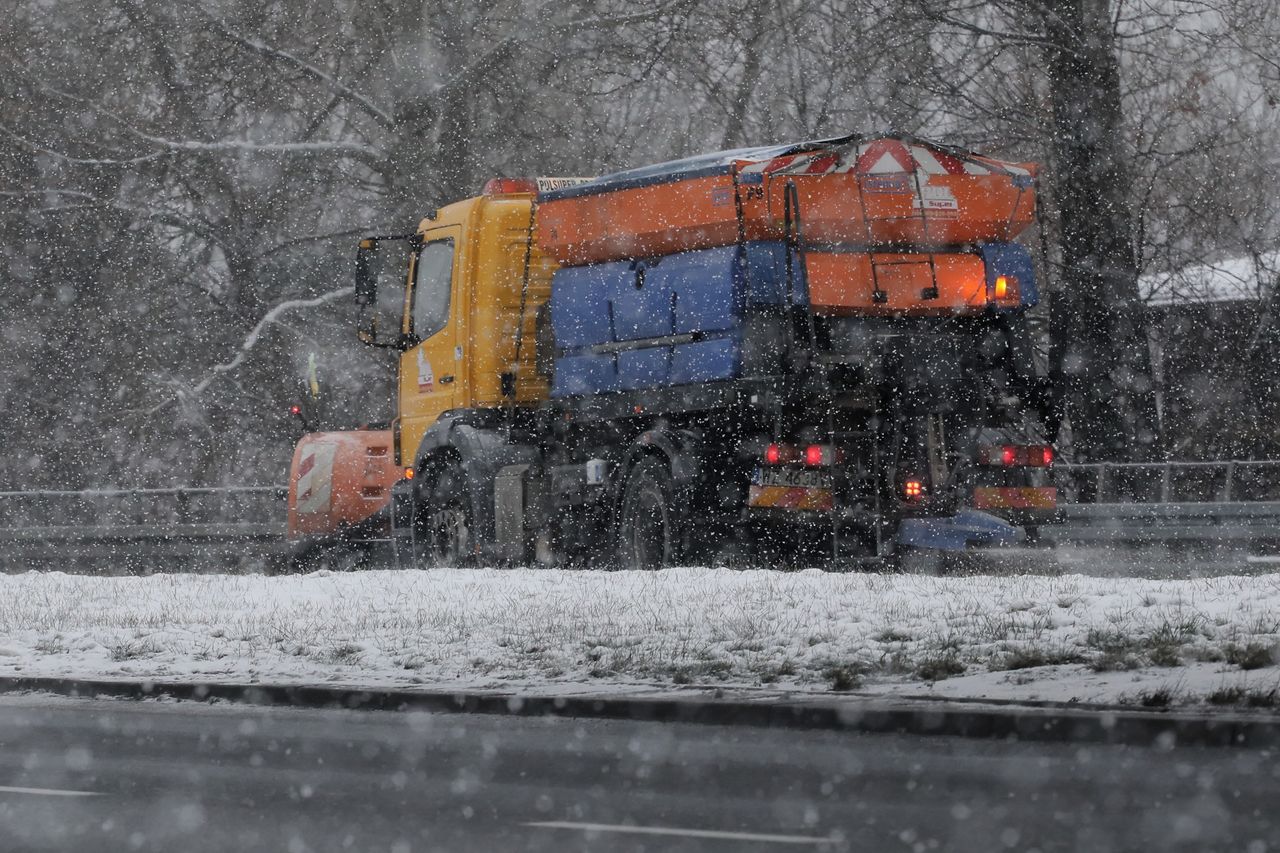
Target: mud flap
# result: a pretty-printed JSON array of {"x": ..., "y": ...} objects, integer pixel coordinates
[
  {"x": 401, "y": 512},
  {"x": 967, "y": 527}
]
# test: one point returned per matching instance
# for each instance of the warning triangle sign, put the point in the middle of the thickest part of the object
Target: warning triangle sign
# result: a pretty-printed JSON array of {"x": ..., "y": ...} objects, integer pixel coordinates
[{"x": 885, "y": 156}]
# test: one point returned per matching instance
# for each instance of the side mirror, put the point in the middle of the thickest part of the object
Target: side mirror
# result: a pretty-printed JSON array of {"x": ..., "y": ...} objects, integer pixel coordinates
[
  {"x": 382, "y": 308},
  {"x": 367, "y": 273}
]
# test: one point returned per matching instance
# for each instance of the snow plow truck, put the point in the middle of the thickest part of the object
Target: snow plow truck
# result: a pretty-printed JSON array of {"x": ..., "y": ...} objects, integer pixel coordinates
[{"x": 805, "y": 354}]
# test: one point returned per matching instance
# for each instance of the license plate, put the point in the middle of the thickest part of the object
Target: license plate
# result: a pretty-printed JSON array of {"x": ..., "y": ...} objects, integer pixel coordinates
[
  {"x": 790, "y": 488},
  {"x": 792, "y": 478}
]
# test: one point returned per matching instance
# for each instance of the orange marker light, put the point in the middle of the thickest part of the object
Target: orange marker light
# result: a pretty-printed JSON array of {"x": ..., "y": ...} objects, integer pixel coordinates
[
  {"x": 509, "y": 186},
  {"x": 1005, "y": 290},
  {"x": 913, "y": 489},
  {"x": 408, "y": 473}
]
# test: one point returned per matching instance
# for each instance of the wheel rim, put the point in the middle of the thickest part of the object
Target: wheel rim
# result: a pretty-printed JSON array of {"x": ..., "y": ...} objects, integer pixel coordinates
[
  {"x": 441, "y": 532},
  {"x": 450, "y": 538}
]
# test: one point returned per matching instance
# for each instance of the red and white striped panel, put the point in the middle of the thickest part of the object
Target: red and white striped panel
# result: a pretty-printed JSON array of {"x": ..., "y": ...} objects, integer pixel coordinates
[{"x": 883, "y": 156}]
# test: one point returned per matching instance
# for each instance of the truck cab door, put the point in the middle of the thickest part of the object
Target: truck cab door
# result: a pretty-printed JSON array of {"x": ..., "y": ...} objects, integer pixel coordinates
[{"x": 431, "y": 371}]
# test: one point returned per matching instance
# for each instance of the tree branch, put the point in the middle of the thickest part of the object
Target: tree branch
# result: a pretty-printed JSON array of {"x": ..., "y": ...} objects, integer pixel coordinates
[
  {"x": 367, "y": 154},
  {"x": 250, "y": 341},
  {"x": 80, "y": 161},
  {"x": 346, "y": 92}
]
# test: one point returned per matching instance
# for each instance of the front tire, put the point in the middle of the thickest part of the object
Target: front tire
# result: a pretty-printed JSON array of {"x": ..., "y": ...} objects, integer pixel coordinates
[
  {"x": 442, "y": 523},
  {"x": 647, "y": 533}
]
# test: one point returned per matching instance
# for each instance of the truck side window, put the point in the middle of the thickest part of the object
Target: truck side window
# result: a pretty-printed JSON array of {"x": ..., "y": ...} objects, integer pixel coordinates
[{"x": 432, "y": 279}]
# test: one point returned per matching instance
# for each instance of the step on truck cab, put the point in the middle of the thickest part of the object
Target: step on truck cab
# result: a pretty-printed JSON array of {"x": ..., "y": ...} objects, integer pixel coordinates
[{"x": 743, "y": 390}]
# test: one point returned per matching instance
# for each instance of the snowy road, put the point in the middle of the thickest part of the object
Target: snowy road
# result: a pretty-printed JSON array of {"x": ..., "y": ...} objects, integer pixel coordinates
[{"x": 91, "y": 776}]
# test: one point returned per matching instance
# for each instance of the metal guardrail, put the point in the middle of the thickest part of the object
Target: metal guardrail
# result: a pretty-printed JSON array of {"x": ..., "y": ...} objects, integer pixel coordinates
[
  {"x": 1212, "y": 523},
  {"x": 226, "y": 505},
  {"x": 138, "y": 529},
  {"x": 1243, "y": 480},
  {"x": 1228, "y": 502}
]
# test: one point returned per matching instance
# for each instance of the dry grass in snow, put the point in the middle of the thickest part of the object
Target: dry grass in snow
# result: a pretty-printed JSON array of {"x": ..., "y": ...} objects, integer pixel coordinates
[{"x": 705, "y": 626}]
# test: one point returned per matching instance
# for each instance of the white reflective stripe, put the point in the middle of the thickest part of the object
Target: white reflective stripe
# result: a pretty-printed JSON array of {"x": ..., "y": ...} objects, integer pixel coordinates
[
  {"x": 686, "y": 833},
  {"x": 783, "y": 162},
  {"x": 927, "y": 161},
  {"x": 316, "y": 485},
  {"x": 1002, "y": 166},
  {"x": 848, "y": 160},
  {"x": 972, "y": 168}
]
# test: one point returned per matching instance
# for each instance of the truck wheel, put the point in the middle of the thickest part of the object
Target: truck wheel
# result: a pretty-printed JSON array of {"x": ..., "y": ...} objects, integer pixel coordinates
[
  {"x": 646, "y": 524},
  {"x": 442, "y": 521}
]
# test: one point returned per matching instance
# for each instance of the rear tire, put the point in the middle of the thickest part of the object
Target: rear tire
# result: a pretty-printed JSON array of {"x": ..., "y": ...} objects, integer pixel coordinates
[
  {"x": 647, "y": 535},
  {"x": 442, "y": 525}
]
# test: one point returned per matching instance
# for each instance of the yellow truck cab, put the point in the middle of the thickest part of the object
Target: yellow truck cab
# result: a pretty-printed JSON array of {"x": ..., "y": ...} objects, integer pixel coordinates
[
  {"x": 468, "y": 365},
  {"x": 473, "y": 273}
]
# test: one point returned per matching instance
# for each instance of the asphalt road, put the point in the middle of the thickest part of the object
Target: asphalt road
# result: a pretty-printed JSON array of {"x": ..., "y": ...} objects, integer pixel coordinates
[{"x": 114, "y": 775}]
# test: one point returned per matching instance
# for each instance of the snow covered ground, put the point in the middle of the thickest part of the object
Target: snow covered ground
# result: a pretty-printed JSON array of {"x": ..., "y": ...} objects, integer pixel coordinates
[{"x": 1028, "y": 637}]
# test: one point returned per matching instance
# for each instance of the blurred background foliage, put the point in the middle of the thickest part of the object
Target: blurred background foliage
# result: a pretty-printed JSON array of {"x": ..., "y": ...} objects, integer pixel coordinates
[{"x": 171, "y": 172}]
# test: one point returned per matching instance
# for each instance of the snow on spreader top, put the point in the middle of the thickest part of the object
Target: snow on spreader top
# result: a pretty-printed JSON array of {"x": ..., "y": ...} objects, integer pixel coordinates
[{"x": 859, "y": 153}]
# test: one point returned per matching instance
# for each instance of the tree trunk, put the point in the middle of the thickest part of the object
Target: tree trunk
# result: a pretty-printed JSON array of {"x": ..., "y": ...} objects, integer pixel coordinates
[{"x": 1100, "y": 358}]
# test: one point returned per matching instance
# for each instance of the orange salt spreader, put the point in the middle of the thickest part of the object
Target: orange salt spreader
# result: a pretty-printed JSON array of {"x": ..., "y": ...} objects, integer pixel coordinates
[{"x": 851, "y": 191}]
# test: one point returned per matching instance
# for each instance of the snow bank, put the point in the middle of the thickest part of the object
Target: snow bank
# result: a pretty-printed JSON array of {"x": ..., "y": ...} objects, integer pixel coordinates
[{"x": 476, "y": 628}]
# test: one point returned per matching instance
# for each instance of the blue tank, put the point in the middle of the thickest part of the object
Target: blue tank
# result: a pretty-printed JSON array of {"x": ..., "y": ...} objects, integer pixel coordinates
[{"x": 673, "y": 320}]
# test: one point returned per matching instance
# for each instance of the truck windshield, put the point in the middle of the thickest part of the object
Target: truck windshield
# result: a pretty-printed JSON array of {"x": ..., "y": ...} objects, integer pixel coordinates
[{"x": 432, "y": 279}]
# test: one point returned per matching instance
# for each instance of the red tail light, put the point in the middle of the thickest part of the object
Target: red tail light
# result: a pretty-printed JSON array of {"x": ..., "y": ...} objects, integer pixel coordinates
[
  {"x": 1017, "y": 456},
  {"x": 813, "y": 455},
  {"x": 780, "y": 454},
  {"x": 913, "y": 490},
  {"x": 816, "y": 455}
]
